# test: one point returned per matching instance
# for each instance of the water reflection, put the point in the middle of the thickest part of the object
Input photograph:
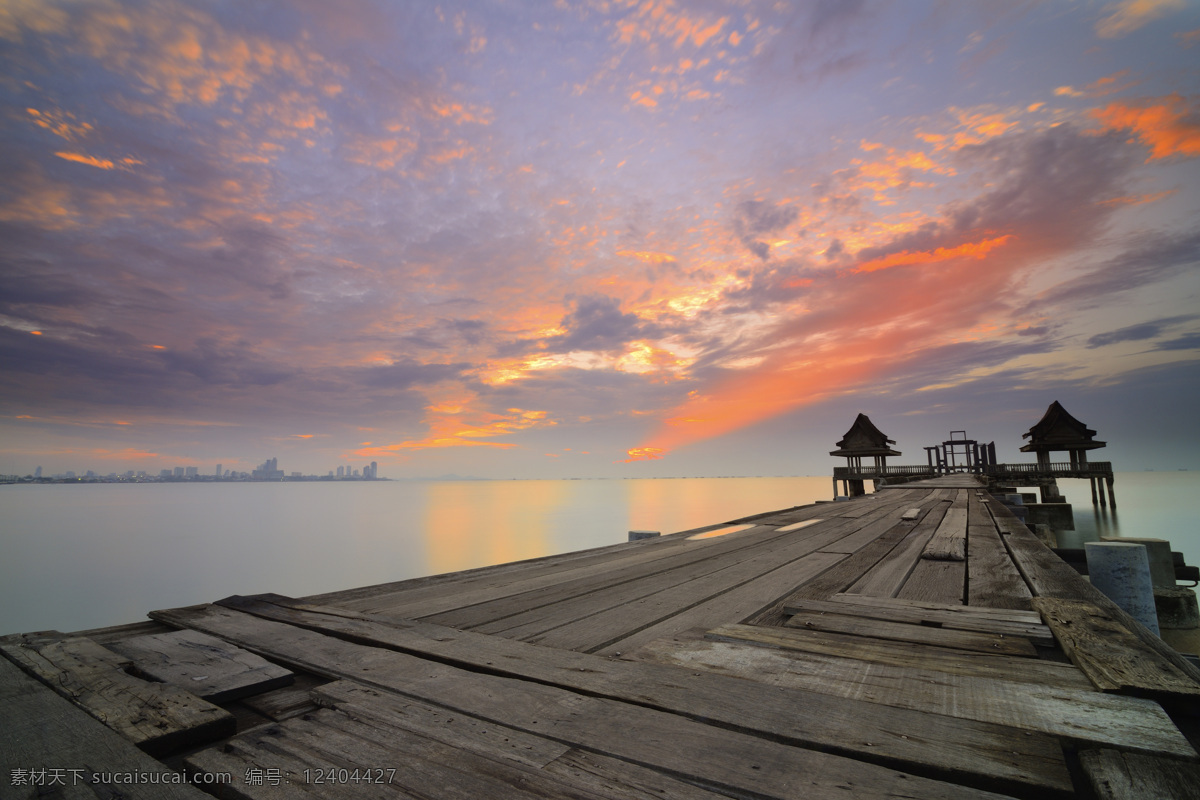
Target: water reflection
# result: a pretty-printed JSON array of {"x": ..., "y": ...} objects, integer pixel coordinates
[{"x": 473, "y": 523}]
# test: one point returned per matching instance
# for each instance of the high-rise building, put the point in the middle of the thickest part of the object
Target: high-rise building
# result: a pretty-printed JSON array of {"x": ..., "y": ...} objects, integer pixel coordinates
[
  {"x": 37, "y": 473},
  {"x": 218, "y": 472},
  {"x": 191, "y": 472},
  {"x": 178, "y": 472},
  {"x": 341, "y": 471}
]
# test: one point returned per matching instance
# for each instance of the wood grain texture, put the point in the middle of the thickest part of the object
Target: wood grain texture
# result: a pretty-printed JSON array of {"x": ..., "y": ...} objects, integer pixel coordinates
[
  {"x": 908, "y": 632},
  {"x": 886, "y": 577},
  {"x": 960, "y": 618},
  {"x": 992, "y": 578},
  {"x": 42, "y": 730},
  {"x": 1083, "y": 714},
  {"x": 156, "y": 717},
  {"x": 932, "y": 744},
  {"x": 1014, "y": 615},
  {"x": 937, "y": 581},
  {"x": 202, "y": 665},
  {"x": 1109, "y": 654},
  {"x": 1049, "y": 576},
  {"x": 905, "y": 654},
  {"x": 949, "y": 542},
  {"x": 1114, "y": 775}
]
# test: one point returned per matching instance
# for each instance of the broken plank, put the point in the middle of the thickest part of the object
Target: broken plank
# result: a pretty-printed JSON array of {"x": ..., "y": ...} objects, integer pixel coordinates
[
  {"x": 1110, "y": 655},
  {"x": 44, "y": 731},
  {"x": 1114, "y": 775},
  {"x": 906, "y": 632},
  {"x": 156, "y": 717},
  {"x": 933, "y": 745},
  {"x": 906, "y": 654},
  {"x": 1083, "y": 714},
  {"x": 1050, "y": 576},
  {"x": 203, "y": 665},
  {"x": 961, "y": 619}
]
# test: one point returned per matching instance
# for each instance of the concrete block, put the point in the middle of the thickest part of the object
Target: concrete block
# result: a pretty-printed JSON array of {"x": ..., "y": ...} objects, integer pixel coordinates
[
  {"x": 635, "y": 536},
  {"x": 1057, "y": 515}
]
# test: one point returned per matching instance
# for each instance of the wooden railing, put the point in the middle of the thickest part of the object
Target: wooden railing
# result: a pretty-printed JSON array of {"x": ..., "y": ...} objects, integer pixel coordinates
[{"x": 1053, "y": 469}]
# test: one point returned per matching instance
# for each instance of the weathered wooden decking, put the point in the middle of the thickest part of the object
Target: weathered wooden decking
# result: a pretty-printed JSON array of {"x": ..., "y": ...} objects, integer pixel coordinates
[{"x": 916, "y": 643}]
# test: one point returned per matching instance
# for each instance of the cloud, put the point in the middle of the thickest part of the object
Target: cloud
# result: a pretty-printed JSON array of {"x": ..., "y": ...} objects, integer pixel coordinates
[
  {"x": 597, "y": 323},
  {"x": 1128, "y": 16},
  {"x": 1134, "y": 333},
  {"x": 756, "y": 218},
  {"x": 1190, "y": 341},
  {"x": 1169, "y": 125}
]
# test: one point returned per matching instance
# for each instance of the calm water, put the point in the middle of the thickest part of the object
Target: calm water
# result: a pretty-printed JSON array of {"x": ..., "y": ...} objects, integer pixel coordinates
[
  {"x": 82, "y": 556},
  {"x": 75, "y": 557}
]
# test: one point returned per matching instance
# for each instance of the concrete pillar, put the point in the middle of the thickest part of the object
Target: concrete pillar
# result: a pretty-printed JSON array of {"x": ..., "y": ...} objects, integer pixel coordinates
[
  {"x": 1158, "y": 554},
  {"x": 636, "y": 536},
  {"x": 1121, "y": 571}
]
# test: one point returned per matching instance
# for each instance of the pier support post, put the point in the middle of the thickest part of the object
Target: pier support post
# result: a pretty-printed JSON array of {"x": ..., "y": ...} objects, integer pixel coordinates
[
  {"x": 1121, "y": 571},
  {"x": 1092, "y": 481},
  {"x": 1112, "y": 498}
]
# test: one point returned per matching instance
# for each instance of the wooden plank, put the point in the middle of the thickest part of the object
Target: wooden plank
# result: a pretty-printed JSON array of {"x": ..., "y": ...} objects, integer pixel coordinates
[
  {"x": 1114, "y": 775},
  {"x": 1083, "y": 714},
  {"x": 911, "y": 515},
  {"x": 600, "y": 774},
  {"x": 559, "y": 601},
  {"x": 203, "y": 665},
  {"x": 1014, "y": 615},
  {"x": 747, "y": 600},
  {"x": 885, "y": 516},
  {"x": 961, "y": 618},
  {"x": 885, "y": 578},
  {"x": 73, "y": 752},
  {"x": 906, "y": 654},
  {"x": 831, "y": 581},
  {"x": 1049, "y": 576},
  {"x": 949, "y": 542},
  {"x": 992, "y": 578},
  {"x": 610, "y": 617},
  {"x": 1109, "y": 654},
  {"x": 736, "y": 765},
  {"x": 937, "y": 581},
  {"x": 156, "y": 717},
  {"x": 905, "y": 632},
  {"x": 933, "y": 744}
]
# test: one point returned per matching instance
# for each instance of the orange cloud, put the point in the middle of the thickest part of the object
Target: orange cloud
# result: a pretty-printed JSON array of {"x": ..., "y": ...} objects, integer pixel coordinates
[
  {"x": 1167, "y": 125},
  {"x": 643, "y": 454},
  {"x": 1129, "y": 15},
  {"x": 460, "y": 428},
  {"x": 969, "y": 250},
  {"x": 1098, "y": 88},
  {"x": 99, "y": 163}
]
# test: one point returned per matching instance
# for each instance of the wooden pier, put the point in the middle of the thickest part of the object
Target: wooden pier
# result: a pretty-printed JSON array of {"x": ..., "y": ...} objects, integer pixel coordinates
[{"x": 919, "y": 642}]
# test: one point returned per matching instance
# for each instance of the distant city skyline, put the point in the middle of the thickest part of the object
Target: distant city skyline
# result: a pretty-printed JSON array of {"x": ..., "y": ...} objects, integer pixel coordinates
[{"x": 597, "y": 239}]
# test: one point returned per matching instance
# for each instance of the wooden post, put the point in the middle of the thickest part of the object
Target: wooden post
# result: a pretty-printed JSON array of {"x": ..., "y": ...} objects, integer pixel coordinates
[
  {"x": 1092, "y": 481},
  {"x": 1112, "y": 498}
]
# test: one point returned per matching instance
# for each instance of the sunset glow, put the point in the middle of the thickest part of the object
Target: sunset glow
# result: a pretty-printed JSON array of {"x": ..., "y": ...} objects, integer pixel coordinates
[{"x": 589, "y": 238}]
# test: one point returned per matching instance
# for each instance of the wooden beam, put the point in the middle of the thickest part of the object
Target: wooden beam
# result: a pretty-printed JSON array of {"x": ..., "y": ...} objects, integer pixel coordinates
[
  {"x": 960, "y": 618},
  {"x": 1114, "y": 775},
  {"x": 1082, "y": 714},
  {"x": 1110, "y": 655},
  {"x": 202, "y": 665},
  {"x": 925, "y": 743},
  {"x": 907, "y": 632},
  {"x": 156, "y": 717}
]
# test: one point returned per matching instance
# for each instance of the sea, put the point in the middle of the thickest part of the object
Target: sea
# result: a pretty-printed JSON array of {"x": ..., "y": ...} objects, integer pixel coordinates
[{"x": 80, "y": 556}]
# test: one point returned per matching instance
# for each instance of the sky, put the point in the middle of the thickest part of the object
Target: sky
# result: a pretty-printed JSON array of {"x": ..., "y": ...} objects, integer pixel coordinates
[{"x": 593, "y": 238}]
